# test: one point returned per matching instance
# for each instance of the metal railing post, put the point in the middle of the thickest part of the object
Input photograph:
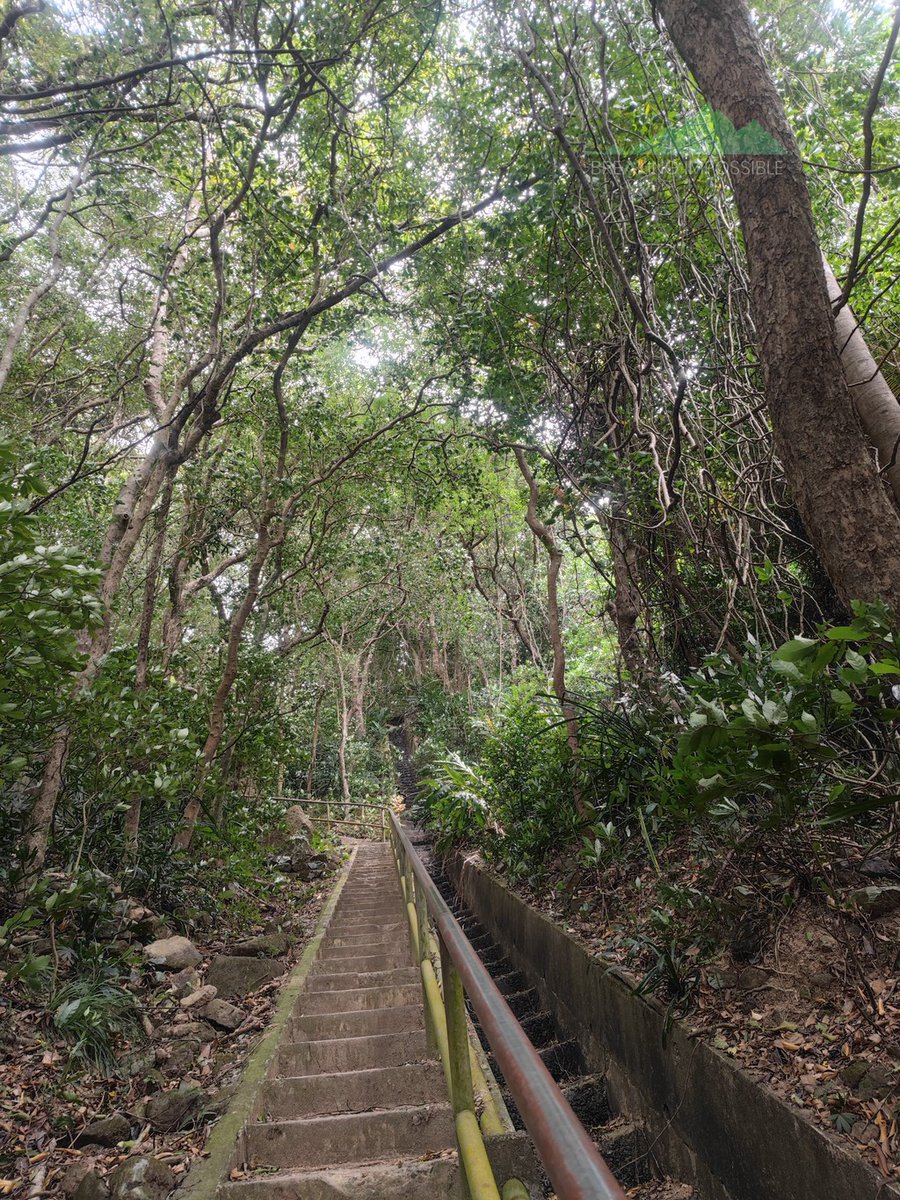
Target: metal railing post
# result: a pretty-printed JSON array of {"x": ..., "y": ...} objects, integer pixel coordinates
[
  {"x": 424, "y": 960},
  {"x": 479, "y": 1175}
]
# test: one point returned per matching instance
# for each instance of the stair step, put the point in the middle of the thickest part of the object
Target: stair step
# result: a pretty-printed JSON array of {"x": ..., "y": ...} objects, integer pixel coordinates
[
  {"x": 364, "y": 979},
  {"x": 355, "y": 1091},
  {"x": 362, "y": 963},
  {"x": 404, "y": 1180},
  {"x": 351, "y": 1137},
  {"x": 360, "y": 998},
  {"x": 397, "y": 947},
  {"x": 353, "y": 1054},
  {"x": 364, "y": 1023},
  {"x": 388, "y": 938}
]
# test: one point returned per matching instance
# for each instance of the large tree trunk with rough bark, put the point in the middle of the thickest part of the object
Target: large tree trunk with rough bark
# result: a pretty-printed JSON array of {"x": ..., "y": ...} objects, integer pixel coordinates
[{"x": 850, "y": 518}]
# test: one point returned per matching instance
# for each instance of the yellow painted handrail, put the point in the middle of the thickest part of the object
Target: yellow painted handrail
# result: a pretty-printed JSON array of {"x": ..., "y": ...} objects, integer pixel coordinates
[{"x": 447, "y": 1029}]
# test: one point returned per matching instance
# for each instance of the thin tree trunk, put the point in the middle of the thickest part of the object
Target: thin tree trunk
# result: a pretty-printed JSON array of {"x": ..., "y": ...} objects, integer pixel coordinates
[
  {"x": 314, "y": 745},
  {"x": 343, "y": 715},
  {"x": 544, "y": 534},
  {"x": 628, "y": 603},
  {"x": 850, "y": 520},
  {"x": 872, "y": 395}
]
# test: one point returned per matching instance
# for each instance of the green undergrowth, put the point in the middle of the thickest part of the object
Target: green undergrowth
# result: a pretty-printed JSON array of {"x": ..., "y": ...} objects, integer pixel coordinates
[{"x": 715, "y": 802}]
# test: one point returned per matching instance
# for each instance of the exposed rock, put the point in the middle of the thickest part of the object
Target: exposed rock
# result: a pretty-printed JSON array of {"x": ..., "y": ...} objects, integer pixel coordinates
[
  {"x": 173, "y": 953},
  {"x": 91, "y": 1186},
  {"x": 753, "y": 977},
  {"x": 877, "y": 901},
  {"x": 106, "y": 1131},
  {"x": 221, "y": 1013},
  {"x": 181, "y": 1057},
  {"x": 235, "y": 976},
  {"x": 201, "y": 996},
  {"x": 314, "y": 867},
  {"x": 854, "y": 1071},
  {"x": 184, "y": 982},
  {"x": 821, "y": 979},
  {"x": 73, "y": 1175},
  {"x": 870, "y": 1081},
  {"x": 168, "y": 1111},
  {"x": 879, "y": 868},
  {"x": 297, "y": 821},
  {"x": 267, "y": 945},
  {"x": 140, "y": 1178}
]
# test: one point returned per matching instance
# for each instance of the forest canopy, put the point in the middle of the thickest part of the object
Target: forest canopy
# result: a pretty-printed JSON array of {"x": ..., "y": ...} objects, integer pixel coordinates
[{"x": 506, "y": 385}]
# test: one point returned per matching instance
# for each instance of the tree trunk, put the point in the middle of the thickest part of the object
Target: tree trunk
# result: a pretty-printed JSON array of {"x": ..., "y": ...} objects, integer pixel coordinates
[
  {"x": 343, "y": 715},
  {"x": 628, "y": 603},
  {"x": 851, "y": 521},
  {"x": 41, "y": 820},
  {"x": 313, "y": 747},
  {"x": 544, "y": 534},
  {"x": 872, "y": 395},
  {"x": 182, "y": 839}
]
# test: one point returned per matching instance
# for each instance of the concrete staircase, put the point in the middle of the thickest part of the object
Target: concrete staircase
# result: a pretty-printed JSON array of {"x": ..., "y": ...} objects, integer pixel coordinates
[{"x": 355, "y": 1104}]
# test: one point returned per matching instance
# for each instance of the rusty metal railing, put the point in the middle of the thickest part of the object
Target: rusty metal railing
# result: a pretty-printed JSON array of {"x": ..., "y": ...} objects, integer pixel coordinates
[
  {"x": 375, "y": 827},
  {"x": 570, "y": 1158}
]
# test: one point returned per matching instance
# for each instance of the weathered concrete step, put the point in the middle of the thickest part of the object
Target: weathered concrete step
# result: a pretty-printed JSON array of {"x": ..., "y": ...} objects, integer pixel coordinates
[
  {"x": 352, "y": 1054},
  {"x": 355, "y": 1091},
  {"x": 384, "y": 937},
  {"x": 328, "y": 950},
  {"x": 328, "y": 965},
  {"x": 367, "y": 927},
  {"x": 364, "y": 979},
  {"x": 360, "y": 998},
  {"x": 434, "y": 1179},
  {"x": 365, "y": 1023},
  {"x": 351, "y": 1137}
]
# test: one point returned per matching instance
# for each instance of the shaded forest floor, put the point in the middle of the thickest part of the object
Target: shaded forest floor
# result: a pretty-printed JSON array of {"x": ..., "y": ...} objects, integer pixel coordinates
[
  {"x": 66, "y": 1124},
  {"x": 791, "y": 973}
]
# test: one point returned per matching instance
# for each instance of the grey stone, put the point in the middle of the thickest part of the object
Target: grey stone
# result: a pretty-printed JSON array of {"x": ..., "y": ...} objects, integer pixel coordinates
[
  {"x": 877, "y": 1083},
  {"x": 173, "y": 953},
  {"x": 201, "y": 996},
  {"x": 821, "y": 979},
  {"x": 184, "y": 982},
  {"x": 73, "y": 1175},
  {"x": 879, "y": 868},
  {"x": 877, "y": 901},
  {"x": 314, "y": 867},
  {"x": 297, "y": 821},
  {"x": 106, "y": 1131},
  {"x": 235, "y": 976},
  {"x": 168, "y": 1111},
  {"x": 267, "y": 945},
  {"x": 141, "y": 1178},
  {"x": 221, "y": 1013},
  {"x": 91, "y": 1186},
  {"x": 854, "y": 1071},
  {"x": 753, "y": 977},
  {"x": 182, "y": 1058}
]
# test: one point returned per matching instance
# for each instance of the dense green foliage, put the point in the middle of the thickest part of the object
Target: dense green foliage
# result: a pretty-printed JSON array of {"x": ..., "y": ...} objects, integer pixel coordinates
[{"x": 363, "y": 364}]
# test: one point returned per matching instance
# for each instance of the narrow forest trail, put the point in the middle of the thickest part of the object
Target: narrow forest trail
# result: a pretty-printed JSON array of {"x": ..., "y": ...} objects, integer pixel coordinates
[{"x": 357, "y": 1105}]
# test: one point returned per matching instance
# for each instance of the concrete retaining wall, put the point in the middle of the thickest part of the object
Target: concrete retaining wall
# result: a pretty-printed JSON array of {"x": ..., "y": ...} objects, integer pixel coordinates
[{"x": 707, "y": 1122}]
